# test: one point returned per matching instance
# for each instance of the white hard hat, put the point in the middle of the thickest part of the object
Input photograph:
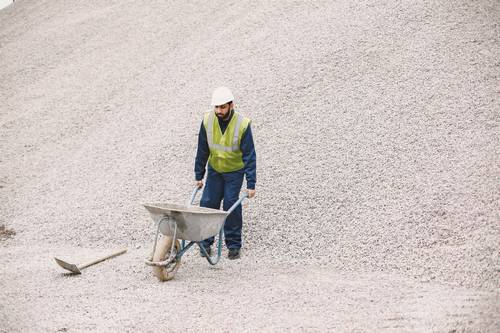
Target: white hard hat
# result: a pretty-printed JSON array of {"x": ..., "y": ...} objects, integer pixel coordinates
[{"x": 221, "y": 96}]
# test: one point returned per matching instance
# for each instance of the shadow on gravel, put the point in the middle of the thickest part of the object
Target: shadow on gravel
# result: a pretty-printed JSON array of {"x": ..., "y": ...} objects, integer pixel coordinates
[
  {"x": 6, "y": 233},
  {"x": 66, "y": 275}
]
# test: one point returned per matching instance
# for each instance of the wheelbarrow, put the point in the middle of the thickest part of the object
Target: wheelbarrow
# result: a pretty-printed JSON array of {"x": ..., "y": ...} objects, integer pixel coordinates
[{"x": 188, "y": 223}]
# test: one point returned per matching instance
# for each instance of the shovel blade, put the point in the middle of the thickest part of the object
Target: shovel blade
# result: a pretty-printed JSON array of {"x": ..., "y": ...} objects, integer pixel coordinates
[{"x": 70, "y": 267}]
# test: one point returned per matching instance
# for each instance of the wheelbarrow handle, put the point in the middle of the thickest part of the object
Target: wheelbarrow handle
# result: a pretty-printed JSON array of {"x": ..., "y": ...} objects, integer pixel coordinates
[
  {"x": 193, "y": 195},
  {"x": 237, "y": 203},
  {"x": 230, "y": 210}
]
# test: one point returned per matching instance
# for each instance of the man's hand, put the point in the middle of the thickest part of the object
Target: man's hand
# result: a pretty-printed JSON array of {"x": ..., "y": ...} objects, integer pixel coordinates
[
  {"x": 251, "y": 193},
  {"x": 199, "y": 183}
]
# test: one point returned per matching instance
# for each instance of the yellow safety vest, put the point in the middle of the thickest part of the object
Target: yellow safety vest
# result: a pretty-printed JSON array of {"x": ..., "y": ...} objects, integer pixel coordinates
[{"x": 225, "y": 152}]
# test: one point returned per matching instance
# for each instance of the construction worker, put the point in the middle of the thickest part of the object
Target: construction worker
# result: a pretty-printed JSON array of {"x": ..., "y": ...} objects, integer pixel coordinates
[{"x": 225, "y": 141}]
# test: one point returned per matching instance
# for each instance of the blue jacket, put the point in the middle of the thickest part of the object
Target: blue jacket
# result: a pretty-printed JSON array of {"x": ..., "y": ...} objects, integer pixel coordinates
[{"x": 247, "y": 148}]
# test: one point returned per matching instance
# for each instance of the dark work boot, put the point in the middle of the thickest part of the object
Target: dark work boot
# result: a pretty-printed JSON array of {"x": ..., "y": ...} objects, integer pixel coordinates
[{"x": 234, "y": 254}]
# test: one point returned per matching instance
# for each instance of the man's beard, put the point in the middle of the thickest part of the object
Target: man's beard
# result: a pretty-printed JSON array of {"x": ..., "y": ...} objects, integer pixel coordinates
[{"x": 225, "y": 117}]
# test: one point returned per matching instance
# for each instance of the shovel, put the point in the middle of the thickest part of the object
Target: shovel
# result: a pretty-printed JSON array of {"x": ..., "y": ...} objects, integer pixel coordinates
[{"x": 77, "y": 269}]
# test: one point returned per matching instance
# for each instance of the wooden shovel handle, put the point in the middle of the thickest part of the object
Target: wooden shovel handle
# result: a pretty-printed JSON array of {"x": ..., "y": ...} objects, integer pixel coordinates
[{"x": 102, "y": 259}]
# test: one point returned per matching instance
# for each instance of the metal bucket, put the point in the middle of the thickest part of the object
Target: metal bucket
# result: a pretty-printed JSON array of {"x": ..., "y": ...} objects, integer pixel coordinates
[{"x": 193, "y": 223}]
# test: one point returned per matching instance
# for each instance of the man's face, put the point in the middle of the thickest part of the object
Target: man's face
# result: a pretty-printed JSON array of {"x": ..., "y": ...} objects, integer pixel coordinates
[{"x": 222, "y": 111}]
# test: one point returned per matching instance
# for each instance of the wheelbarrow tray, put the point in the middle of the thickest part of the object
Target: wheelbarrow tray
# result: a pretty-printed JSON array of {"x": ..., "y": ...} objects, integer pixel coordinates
[{"x": 193, "y": 223}]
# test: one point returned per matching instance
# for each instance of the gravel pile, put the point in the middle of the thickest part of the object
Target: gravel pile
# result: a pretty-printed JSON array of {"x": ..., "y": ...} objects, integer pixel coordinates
[{"x": 376, "y": 127}]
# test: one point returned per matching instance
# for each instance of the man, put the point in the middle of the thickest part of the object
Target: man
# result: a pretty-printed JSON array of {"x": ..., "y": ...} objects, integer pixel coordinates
[{"x": 225, "y": 141}]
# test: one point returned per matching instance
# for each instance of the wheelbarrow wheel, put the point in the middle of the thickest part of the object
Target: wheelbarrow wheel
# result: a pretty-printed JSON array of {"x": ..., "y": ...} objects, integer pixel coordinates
[{"x": 162, "y": 252}]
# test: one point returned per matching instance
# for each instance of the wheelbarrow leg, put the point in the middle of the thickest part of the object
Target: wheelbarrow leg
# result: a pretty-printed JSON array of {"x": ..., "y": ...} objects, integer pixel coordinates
[{"x": 215, "y": 259}]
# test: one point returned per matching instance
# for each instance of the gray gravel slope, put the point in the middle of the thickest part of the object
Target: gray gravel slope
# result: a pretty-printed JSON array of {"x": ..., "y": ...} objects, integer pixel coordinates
[{"x": 376, "y": 128}]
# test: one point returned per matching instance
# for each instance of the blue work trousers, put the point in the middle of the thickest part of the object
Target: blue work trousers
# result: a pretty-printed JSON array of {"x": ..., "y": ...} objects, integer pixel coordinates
[{"x": 225, "y": 186}]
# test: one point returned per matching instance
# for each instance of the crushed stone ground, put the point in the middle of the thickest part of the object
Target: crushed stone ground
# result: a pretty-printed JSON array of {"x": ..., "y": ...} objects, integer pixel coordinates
[{"x": 377, "y": 133}]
